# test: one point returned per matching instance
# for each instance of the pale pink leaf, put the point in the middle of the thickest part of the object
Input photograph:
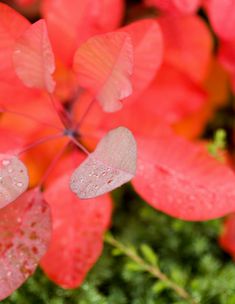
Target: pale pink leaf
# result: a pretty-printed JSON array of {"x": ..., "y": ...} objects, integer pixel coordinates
[
  {"x": 104, "y": 65},
  {"x": 147, "y": 40},
  {"x": 33, "y": 58},
  {"x": 25, "y": 229},
  {"x": 14, "y": 179},
  {"x": 112, "y": 164}
]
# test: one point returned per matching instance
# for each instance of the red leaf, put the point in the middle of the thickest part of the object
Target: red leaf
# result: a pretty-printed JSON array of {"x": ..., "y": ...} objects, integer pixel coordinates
[
  {"x": 25, "y": 2},
  {"x": 77, "y": 20},
  {"x": 104, "y": 65},
  {"x": 172, "y": 96},
  {"x": 12, "y": 25},
  {"x": 188, "y": 45},
  {"x": 182, "y": 180},
  {"x": 112, "y": 164},
  {"x": 175, "y": 6},
  {"x": 227, "y": 238},
  {"x": 14, "y": 179},
  {"x": 227, "y": 55},
  {"x": 77, "y": 239},
  {"x": 222, "y": 17},
  {"x": 34, "y": 59},
  {"x": 25, "y": 227},
  {"x": 147, "y": 43}
]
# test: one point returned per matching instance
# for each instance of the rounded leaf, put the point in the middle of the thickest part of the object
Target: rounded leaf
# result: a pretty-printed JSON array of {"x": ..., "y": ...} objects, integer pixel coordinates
[
  {"x": 14, "y": 179},
  {"x": 112, "y": 164},
  {"x": 147, "y": 40},
  {"x": 33, "y": 58},
  {"x": 183, "y": 180},
  {"x": 77, "y": 237},
  {"x": 25, "y": 229},
  {"x": 104, "y": 65},
  {"x": 222, "y": 17}
]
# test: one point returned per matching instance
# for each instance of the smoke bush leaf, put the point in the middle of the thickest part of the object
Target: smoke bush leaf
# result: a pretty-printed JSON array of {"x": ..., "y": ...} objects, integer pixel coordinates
[
  {"x": 33, "y": 58},
  {"x": 198, "y": 188},
  {"x": 14, "y": 179},
  {"x": 112, "y": 164},
  {"x": 78, "y": 20},
  {"x": 25, "y": 229},
  {"x": 104, "y": 65},
  {"x": 146, "y": 36},
  {"x": 77, "y": 238}
]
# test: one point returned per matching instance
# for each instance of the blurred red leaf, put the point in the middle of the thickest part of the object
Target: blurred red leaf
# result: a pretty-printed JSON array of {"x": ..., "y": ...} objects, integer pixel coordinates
[
  {"x": 175, "y": 6},
  {"x": 227, "y": 237},
  {"x": 188, "y": 45},
  {"x": 222, "y": 17}
]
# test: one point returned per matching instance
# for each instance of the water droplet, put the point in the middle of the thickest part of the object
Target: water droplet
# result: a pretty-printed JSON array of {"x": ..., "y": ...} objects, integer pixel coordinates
[
  {"x": 10, "y": 170},
  {"x": 9, "y": 273},
  {"x": 19, "y": 184},
  {"x": 5, "y": 162}
]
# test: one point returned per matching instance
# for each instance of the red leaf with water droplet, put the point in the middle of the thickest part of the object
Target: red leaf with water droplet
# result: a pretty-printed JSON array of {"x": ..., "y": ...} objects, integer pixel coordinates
[
  {"x": 175, "y": 6},
  {"x": 25, "y": 228},
  {"x": 182, "y": 180},
  {"x": 33, "y": 58},
  {"x": 222, "y": 17},
  {"x": 78, "y": 20},
  {"x": 104, "y": 65},
  {"x": 77, "y": 238},
  {"x": 14, "y": 179},
  {"x": 227, "y": 237},
  {"x": 186, "y": 39},
  {"x": 112, "y": 164},
  {"x": 147, "y": 43}
]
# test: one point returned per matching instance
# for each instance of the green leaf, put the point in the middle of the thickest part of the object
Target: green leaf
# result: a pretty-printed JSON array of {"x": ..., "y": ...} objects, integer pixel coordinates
[{"x": 149, "y": 254}]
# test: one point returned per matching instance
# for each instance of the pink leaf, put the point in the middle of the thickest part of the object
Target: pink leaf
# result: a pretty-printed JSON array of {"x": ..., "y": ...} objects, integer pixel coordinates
[
  {"x": 77, "y": 238},
  {"x": 222, "y": 17},
  {"x": 25, "y": 228},
  {"x": 112, "y": 164},
  {"x": 172, "y": 96},
  {"x": 186, "y": 39},
  {"x": 147, "y": 43},
  {"x": 182, "y": 180},
  {"x": 34, "y": 59},
  {"x": 227, "y": 238},
  {"x": 12, "y": 25},
  {"x": 175, "y": 6},
  {"x": 14, "y": 179},
  {"x": 78, "y": 20},
  {"x": 104, "y": 65}
]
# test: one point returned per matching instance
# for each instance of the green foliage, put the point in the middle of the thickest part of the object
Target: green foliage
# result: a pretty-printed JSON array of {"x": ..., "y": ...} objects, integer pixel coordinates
[
  {"x": 218, "y": 144},
  {"x": 186, "y": 252}
]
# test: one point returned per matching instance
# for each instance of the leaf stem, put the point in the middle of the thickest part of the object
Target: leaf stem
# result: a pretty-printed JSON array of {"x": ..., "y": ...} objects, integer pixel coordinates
[
  {"x": 52, "y": 165},
  {"x": 79, "y": 145},
  {"x": 39, "y": 142},
  {"x": 85, "y": 114},
  {"x": 153, "y": 270},
  {"x": 3, "y": 110}
]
